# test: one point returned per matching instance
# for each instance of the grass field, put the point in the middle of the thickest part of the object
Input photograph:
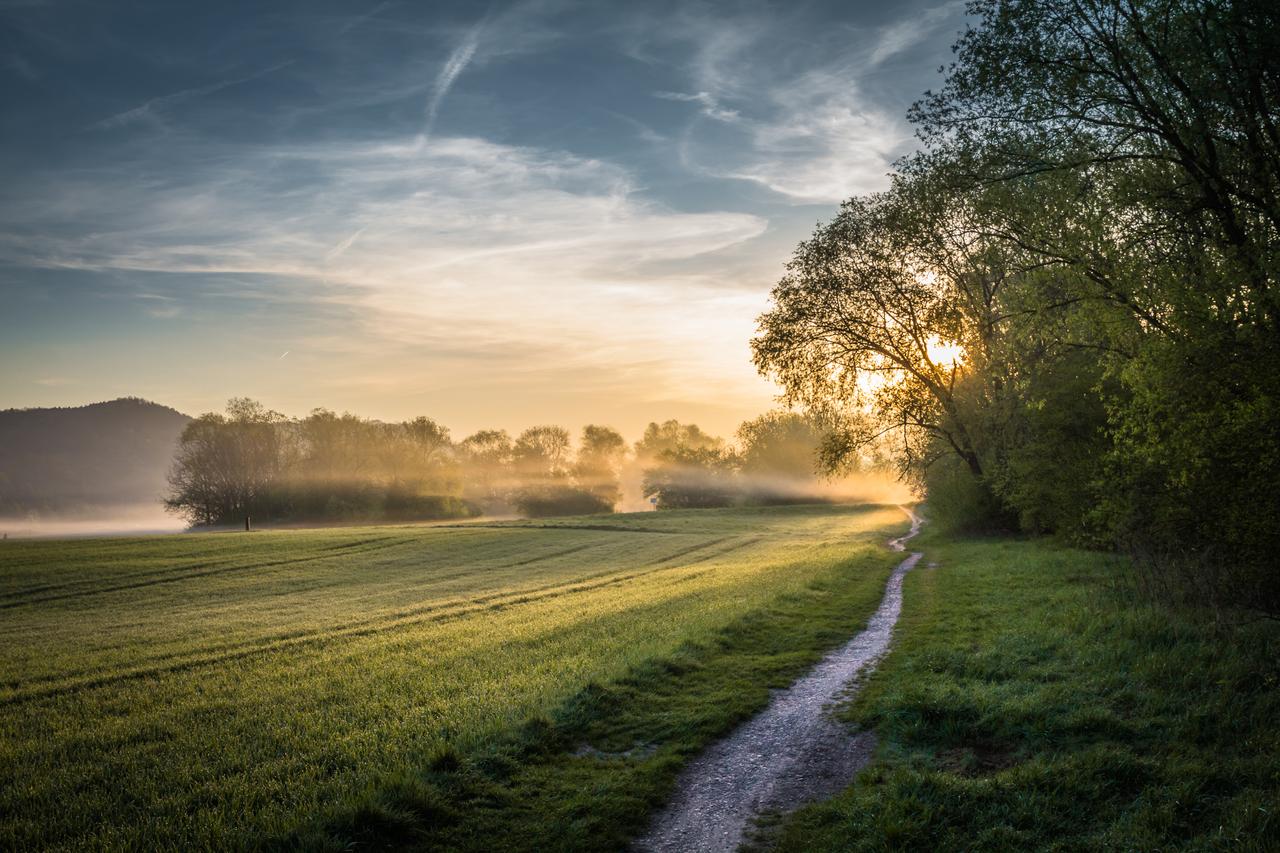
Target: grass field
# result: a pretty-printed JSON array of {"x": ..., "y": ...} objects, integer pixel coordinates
[
  {"x": 304, "y": 688},
  {"x": 1033, "y": 703}
]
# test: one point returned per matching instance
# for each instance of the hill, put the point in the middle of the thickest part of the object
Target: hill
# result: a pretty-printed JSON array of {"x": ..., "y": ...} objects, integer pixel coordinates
[{"x": 65, "y": 460}]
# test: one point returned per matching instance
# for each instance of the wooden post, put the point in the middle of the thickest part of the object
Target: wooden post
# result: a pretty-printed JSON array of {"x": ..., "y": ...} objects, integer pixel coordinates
[{"x": 247, "y": 527}]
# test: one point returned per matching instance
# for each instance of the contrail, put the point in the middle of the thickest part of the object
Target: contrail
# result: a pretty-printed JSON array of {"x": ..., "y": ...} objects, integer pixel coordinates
[
  {"x": 337, "y": 250},
  {"x": 452, "y": 68},
  {"x": 150, "y": 107}
]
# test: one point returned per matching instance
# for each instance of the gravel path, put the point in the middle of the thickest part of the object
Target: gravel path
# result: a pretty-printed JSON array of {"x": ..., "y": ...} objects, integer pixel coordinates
[{"x": 793, "y": 752}]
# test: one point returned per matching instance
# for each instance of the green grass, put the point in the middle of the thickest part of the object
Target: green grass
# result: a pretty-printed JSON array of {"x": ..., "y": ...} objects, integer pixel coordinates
[
  {"x": 1031, "y": 703},
  {"x": 540, "y": 682}
]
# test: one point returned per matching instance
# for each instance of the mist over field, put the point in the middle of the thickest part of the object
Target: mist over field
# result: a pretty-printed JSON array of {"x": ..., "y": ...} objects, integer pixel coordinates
[
  {"x": 111, "y": 520},
  {"x": 133, "y": 467}
]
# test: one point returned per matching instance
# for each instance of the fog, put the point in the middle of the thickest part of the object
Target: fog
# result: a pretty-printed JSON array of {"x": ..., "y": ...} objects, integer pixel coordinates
[{"x": 122, "y": 520}]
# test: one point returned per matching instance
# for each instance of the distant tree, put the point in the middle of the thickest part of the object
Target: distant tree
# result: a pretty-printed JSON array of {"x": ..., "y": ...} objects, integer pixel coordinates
[
  {"x": 685, "y": 467},
  {"x": 335, "y": 447},
  {"x": 429, "y": 440},
  {"x": 432, "y": 460},
  {"x": 782, "y": 444},
  {"x": 688, "y": 477},
  {"x": 226, "y": 463},
  {"x": 487, "y": 458},
  {"x": 542, "y": 453},
  {"x": 599, "y": 464},
  {"x": 673, "y": 435}
]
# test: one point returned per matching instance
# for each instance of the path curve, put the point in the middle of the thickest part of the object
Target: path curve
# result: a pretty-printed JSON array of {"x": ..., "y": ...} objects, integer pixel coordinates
[{"x": 793, "y": 752}]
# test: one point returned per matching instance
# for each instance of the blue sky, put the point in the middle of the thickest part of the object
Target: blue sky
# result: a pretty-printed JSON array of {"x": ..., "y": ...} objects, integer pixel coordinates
[{"x": 495, "y": 215}]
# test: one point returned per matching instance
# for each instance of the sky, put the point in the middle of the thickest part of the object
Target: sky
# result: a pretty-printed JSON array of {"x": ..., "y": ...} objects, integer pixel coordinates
[{"x": 494, "y": 215}]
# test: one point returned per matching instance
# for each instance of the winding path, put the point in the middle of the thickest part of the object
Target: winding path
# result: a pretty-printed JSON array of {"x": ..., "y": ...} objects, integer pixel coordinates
[{"x": 791, "y": 753}]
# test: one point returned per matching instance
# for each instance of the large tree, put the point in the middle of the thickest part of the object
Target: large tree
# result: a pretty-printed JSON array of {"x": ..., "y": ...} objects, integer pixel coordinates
[
  {"x": 226, "y": 463},
  {"x": 881, "y": 316}
]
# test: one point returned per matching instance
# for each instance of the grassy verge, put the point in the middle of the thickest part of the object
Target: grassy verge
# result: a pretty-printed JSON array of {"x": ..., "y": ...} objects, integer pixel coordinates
[{"x": 1030, "y": 704}]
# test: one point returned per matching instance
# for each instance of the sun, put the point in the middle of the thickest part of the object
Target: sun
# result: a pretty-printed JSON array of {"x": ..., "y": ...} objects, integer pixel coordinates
[{"x": 944, "y": 353}]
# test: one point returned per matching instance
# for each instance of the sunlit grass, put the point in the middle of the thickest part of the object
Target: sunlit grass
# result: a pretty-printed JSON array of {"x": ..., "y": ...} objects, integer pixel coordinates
[{"x": 216, "y": 690}]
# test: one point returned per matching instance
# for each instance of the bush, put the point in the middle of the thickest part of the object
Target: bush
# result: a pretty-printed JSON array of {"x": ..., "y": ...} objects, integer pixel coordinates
[
  {"x": 960, "y": 502},
  {"x": 550, "y": 500}
]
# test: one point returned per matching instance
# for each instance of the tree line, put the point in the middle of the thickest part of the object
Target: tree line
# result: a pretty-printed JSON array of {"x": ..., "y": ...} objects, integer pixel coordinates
[
  {"x": 252, "y": 461},
  {"x": 1063, "y": 314}
]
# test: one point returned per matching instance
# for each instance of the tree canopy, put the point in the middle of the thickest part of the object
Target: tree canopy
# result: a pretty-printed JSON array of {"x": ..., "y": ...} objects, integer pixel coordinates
[{"x": 1070, "y": 292}]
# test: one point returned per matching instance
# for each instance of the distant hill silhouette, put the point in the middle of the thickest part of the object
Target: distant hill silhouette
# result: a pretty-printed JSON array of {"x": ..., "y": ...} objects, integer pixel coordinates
[{"x": 68, "y": 460}]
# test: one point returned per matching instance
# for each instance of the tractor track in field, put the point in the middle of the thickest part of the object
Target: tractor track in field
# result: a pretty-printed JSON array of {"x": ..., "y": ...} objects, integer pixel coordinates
[
  {"x": 64, "y": 683},
  {"x": 192, "y": 573},
  {"x": 791, "y": 753}
]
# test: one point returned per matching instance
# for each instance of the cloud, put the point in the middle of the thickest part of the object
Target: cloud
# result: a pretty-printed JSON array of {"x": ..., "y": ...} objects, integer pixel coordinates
[
  {"x": 468, "y": 241},
  {"x": 710, "y": 107},
  {"x": 909, "y": 32},
  {"x": 453, "y": 66},
  {"x": 373, "y": 13},
  {"x": 793, "y": 108},
  {"x": 823, "y": 143},
  {"x": 152, "y": 109},
  {"x": 337, "y": 250}
]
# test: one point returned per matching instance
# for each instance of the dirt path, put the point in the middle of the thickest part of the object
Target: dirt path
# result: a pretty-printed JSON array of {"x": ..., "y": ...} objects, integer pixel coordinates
[{"x": 793, "y": 752}]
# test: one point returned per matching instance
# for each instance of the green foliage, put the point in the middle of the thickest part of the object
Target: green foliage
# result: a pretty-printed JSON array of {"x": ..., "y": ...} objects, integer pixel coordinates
[
  {"x": 959, "y": 502},
  {"x": 1094, "y": 221},
  {"x": 1030, "y": 705},
  {"x": 1195, "y": 468},
  {"x": 379, "y": 683}
]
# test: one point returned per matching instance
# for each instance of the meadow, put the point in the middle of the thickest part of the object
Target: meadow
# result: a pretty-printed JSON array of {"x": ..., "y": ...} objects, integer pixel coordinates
[
  {"x": 300, "y": 688},
  {"x": 1035, "y": 700}
]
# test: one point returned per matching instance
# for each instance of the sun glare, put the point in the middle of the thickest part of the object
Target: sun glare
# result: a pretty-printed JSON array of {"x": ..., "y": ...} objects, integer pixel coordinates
[{"x": 944, "y": 353}]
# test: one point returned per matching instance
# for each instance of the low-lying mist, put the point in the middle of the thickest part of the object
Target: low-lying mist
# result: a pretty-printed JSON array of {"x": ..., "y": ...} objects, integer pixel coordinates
[
  {"x": 119, "y": 520},
  {"x": 255, "y": 464}
]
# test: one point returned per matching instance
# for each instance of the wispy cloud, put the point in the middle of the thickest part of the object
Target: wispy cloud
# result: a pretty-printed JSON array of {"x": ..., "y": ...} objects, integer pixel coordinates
[
  {"x": 357, "y": 20},
  {"x": 470, "y": 240},
  {"x": 159, "y": 305},
  {"x": 902, "y": 35},
  {"x": 453, "y": 66},
  {"x": 152, "y": 109},
  {"x": 793, "y": 115},
  {"x": 337, "y": 250},
  {"x": 710, "y": 106}
]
